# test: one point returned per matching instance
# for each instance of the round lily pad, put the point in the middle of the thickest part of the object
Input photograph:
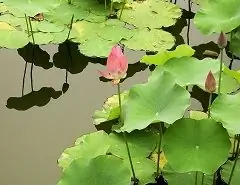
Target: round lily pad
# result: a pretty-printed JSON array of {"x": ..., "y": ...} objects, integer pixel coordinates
[
  {"x": 191, "y": 145},
  {"x": 151, "y": 14},
  {"x": 104, "y": 169},
  {"x": 225, "y": 109},
  {"x": 160, "y": 99},
  {"x": 218, "y": 15},
  {"x": 13, "y": 39},
  {"x": 150, "y": 40}
]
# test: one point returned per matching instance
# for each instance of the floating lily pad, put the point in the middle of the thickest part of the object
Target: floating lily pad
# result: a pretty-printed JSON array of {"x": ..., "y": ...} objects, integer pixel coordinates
[
  {"x": 110, "y": 109},
  {"x": 151, "y": 14},
  {"x": 225, "y": 109},
  {"x": 227, "y": 168},
  {"x": 218, "y": 15},
  {"x": 163, "y": 56},
  {"x": 48, "y": 27},
  {"x": 13, "y": 39},
  {"x": 150, "y": 40},
  {"x": 42, "y": 38},
  {"x": 87, "y": 147},
  {"x": 160, "y": 99},
  {"x": 198, "y": 115},
  {"x": 190, "y": 145},
  {"x": 104, "y": 169}
]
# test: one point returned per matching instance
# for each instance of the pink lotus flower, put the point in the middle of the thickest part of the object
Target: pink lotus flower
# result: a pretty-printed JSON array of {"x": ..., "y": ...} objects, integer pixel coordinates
[{"x": 117, "y": 65}]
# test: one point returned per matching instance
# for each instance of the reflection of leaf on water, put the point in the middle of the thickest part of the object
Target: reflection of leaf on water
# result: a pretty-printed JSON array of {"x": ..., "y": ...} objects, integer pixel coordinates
[
  {"x": 36, "y": 98},
  {"x": 132, "y": 70},
  {"x": 209, "y": 49},
  {"x": 41, "y": 58},
  {"x": 69, "y": 57}
]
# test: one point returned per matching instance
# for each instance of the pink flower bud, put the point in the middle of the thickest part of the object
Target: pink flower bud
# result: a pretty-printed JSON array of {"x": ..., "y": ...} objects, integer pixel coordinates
[
  {"x": 222, "y": 40},
  {"x": 210, "y": 83},
  {"x": 117, "y": 65}
]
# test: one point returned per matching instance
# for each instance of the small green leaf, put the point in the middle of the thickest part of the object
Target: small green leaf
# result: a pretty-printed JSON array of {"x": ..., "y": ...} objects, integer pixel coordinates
[
  {"x": 218, "y": 15},
  {"x": 163, "y": 56},
  {"x": 225, "y": 109},
  {"x": 190, "y": 145},
  {"x": 160, "y": 99},
  {"x": 104, "y": 169},
  {"x": 198, "y": 115}
]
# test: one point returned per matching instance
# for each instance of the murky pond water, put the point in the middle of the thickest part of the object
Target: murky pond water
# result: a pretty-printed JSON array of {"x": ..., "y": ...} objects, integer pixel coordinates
[{"x": 32, "y": 140}]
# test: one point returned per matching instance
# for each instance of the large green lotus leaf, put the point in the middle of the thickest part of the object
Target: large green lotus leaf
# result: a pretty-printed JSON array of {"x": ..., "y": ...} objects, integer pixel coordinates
[
  {"x": 144, "y": 169},
  {"x": 235, "y": 45},
  {"x": 30, "y": 7},
  {"x": 13, "y": 39},
  {"x": 187, "y": 178},
  {"x": 48, "y": 27},
  {"x": 141, "y": 143},
  {"x": 87, "y": 147},
  {"x": 150, "y": 40},
  {"x": 96, "y": 47},
  {"x": 151, "y": 14},
  {"x": 12, "y": 20},
  {"x": 64, "y": 12},
  {"x": 188, "y": 70},
  {"x": 190, "y": 145},
  {"x": 163, "y": 56},
  {"x": 225, "y": 109},
  {"x": 102, "y": 170},
  {"x": 110, "y": 109},
  {"x": 227, "y": 168},
  {"x": 218, "y": 15},
  {"x": 232, "y": 73},
  {"x": 160, "y": 99},
  {"x": 42, "y": 38}
]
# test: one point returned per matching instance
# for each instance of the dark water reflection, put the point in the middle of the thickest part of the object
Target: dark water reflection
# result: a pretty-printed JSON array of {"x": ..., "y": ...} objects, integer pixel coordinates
[{"x": 35, "y": 128}]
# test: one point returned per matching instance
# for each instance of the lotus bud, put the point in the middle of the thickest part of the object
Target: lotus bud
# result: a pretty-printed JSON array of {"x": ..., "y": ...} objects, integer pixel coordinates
[
  {"x": 222, "y": 40},
  {"x": 210, "y": 83}
]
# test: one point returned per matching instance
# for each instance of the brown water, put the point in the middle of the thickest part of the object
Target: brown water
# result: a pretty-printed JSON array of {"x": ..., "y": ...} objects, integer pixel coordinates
[{"x": 31, "y": 141}]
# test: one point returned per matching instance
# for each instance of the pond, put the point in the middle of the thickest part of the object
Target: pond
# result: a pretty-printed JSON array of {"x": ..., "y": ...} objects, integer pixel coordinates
[{"x": 34, "y": 131}]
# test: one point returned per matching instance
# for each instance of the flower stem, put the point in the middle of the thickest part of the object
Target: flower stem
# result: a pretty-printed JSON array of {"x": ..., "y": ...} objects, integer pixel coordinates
[
  {"x": 123, "y": 5},
  {"x": 111, "y": 7},
  {"x": 220, "y": 70},
  {"x": 235, "y": 162},
  {"x": 232, "y": 57},
  {"x": 214, "y": 178},
  {"x": 196, "y": 178},
  {"x": 209, "y": 104},
  {"x": 203, "y": 176},
  {"x": 159, "y": 149},
  {"x": 125, "y": 136}
]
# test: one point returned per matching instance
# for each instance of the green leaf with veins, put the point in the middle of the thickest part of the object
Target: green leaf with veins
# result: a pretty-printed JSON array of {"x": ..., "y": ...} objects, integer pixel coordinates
[
  {"x": 198, "y": 141},
  {"x": 151, "y": 14},
  {"x": 225, "y": 109},
  {"x": 218, "y": 15},
  {"x": 160, "y": 99}
]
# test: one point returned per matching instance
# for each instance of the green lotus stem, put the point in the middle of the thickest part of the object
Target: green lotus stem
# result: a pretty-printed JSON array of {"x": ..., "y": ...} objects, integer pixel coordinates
[
  {"x": 33, "y": 52},
  {"x": 196, "y": 178},
  {"x": 209, "y": 104},
  {"x": 159, "y": 149},
  {"x": 105, "y": 4},
  {"x": 214, "y": 178},
  {"x": 123, "y": 5},
  {"x": 235, "y": 162},
  {"x": 125, "y": 136},
  {"x": 230, "y": 48},
  {"x": 203, "y": 176},
  {"x": 111, "y": 7},
  {"x": 26, "y": 19},
  {"x": 234, "y": 146},
  {"x": 220, "y": 70},
  {"x": 70, "y": 28}
]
